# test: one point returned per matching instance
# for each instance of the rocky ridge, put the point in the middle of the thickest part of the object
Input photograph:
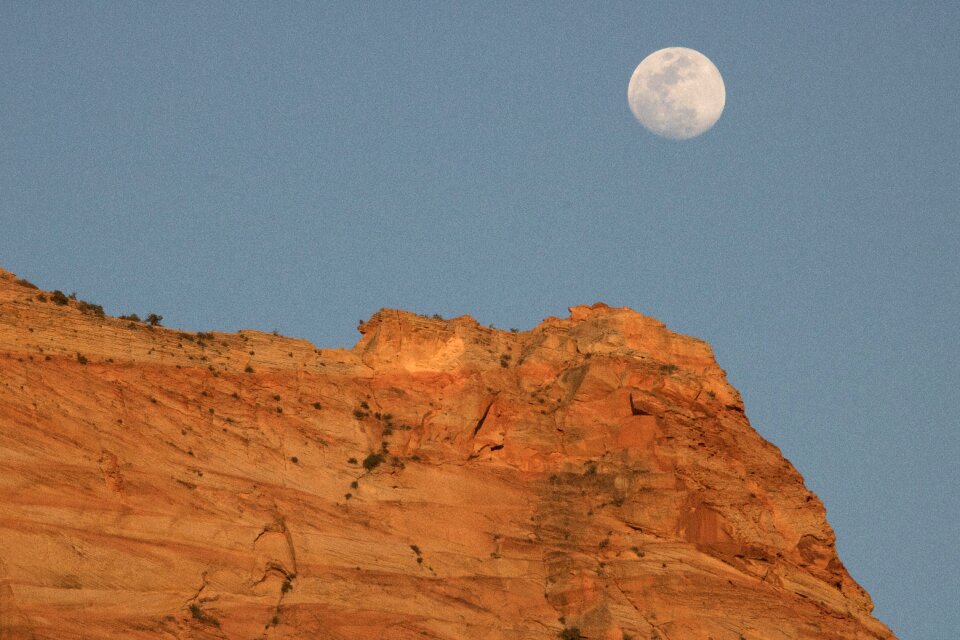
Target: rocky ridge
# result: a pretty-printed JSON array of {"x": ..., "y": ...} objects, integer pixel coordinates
[{"x": 593, "y": 477}]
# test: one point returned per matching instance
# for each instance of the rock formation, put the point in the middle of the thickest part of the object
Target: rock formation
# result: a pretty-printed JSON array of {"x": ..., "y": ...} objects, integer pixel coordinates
[{"x": 593, "y": 477}]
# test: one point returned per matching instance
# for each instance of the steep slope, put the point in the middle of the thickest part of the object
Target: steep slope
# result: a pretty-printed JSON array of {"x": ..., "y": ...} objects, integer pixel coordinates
[{"x": 439, "y": 480}]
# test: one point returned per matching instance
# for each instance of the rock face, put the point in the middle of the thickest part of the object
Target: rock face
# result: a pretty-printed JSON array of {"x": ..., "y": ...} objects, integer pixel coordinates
[{"x": 595, "y": 475}]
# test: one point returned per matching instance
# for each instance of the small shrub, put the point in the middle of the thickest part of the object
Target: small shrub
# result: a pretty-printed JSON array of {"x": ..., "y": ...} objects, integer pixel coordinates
[
  {"x": 668, "y": 368},
  {"x": 354, "y": 485},
  {"x": 571, "y": 633},
  {"x": 154, "y": 320},
  {"x": 58, "y": 297},
  {"x": 82, "y": 359},
  {"x": 372, "y": 461},
  {"x": 248, "y": 369},
  {"x": 286, "y": 586},
  {"x": 351, "y": 461},
  {"x": 294, "y": 459},
  {"x": 26, "y": 284},
  {"x": 317, "y": 406},
  {"x": 41, "y": 297},
  {"x": 202, "y": 616},
  {"x": 131, "y": 317},
  {"x": 437, "y": 316},
  {"x": 359, "y": 415},
  {"x": 90, "y": 308}
]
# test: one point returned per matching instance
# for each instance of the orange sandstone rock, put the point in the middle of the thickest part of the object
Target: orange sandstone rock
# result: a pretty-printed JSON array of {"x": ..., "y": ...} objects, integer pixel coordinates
[{"x": 439, "y": 480}]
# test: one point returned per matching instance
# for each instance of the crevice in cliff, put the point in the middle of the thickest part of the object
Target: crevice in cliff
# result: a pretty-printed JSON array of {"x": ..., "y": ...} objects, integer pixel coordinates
[
  {"x": 195, "y": 606},
  {"x": 483, "y": 418},
  {"x": 635, "y": 410},
  {"x": 486, "y": 447},
  {"x": 286, "y": 573},
  {"x": 203, "y": 585},
  {"x": 291, "y": 548},
  {"x": 274, "y": 568},
  {"x": 280, "y": 526}
]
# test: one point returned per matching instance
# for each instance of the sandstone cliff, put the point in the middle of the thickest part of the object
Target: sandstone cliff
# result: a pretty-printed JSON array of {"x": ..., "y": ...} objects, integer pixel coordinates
[{"x": 595, "y": 475}]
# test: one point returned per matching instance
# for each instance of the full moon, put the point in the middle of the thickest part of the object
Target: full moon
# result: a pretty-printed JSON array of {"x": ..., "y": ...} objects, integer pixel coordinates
[{"x": 676, "y": 93}]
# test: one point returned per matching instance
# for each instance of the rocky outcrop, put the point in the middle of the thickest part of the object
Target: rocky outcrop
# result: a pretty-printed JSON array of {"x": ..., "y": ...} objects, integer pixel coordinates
[{"x": 594, "y": 475}]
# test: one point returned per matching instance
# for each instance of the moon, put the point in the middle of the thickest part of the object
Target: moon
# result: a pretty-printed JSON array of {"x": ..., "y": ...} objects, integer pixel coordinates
[{"x": 677, "y": 93}]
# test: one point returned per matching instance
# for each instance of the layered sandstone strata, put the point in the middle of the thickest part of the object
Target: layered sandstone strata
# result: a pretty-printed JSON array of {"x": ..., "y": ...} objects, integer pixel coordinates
[{"x": 594, "y": 475}]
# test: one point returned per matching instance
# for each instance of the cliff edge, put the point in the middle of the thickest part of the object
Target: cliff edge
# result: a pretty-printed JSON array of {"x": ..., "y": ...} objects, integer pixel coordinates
[{"x": 593, "y": 477}]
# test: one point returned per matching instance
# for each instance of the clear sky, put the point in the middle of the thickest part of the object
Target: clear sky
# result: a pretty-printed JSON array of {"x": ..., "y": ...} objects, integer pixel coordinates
[{"x": 296, "y": 167}]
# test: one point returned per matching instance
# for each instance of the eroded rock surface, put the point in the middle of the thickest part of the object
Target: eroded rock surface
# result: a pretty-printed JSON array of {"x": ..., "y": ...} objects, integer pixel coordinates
[{"x": 439, "y": 480}]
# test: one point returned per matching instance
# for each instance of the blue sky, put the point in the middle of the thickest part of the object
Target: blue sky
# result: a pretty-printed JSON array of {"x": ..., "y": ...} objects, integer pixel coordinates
[{"x": 296, "y": 167}]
